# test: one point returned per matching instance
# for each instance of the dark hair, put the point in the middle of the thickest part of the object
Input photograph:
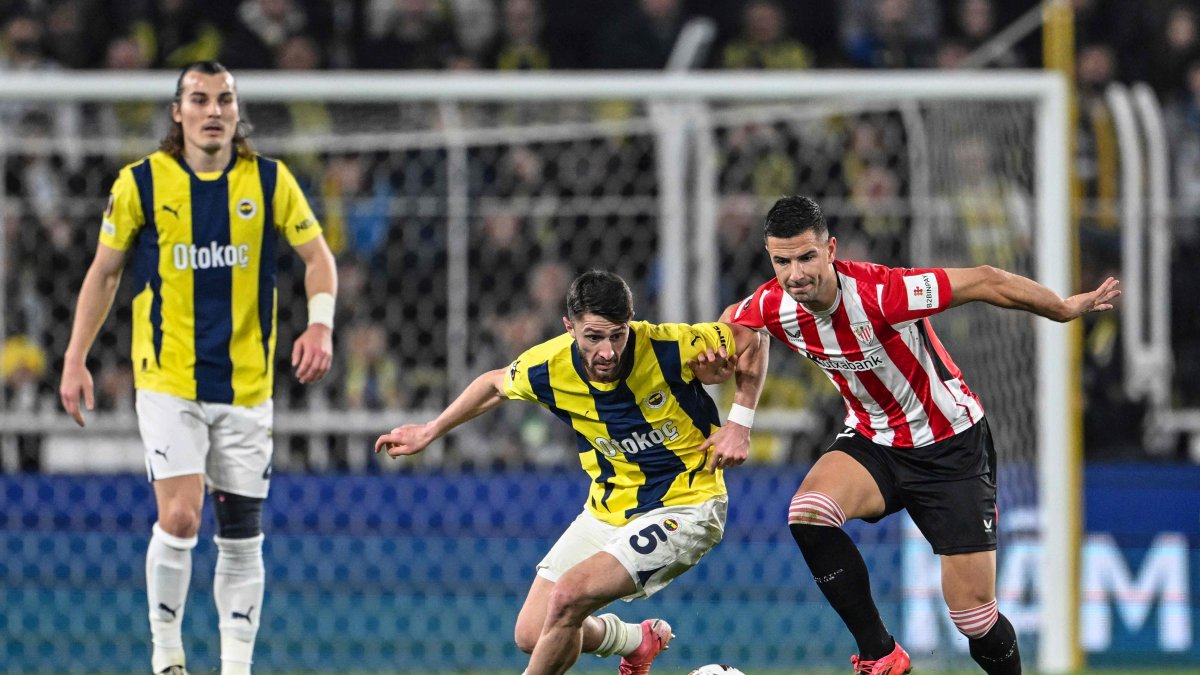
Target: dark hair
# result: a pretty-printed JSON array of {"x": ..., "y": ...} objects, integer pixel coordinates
[
  {"x": 601, "y": 293},
  {"x": 793, "y": 216},
  {"x": 172, "y": 143}
]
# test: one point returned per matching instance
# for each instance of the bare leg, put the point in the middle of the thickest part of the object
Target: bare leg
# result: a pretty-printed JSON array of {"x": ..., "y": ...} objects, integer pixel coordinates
[{"x": 585, "y": 588}]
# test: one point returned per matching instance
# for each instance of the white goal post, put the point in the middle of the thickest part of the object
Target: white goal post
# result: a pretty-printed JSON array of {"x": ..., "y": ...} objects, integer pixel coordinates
[{"x": 680, "y": 122}]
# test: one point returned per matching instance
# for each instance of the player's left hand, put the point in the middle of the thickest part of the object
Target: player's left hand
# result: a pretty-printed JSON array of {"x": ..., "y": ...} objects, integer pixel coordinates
[
  {"x": 312, "y": 354},
  {"x": 713, "y": 367},
  {"x": 730, "y": 446},
  {"x": 1099, "y": 300}
]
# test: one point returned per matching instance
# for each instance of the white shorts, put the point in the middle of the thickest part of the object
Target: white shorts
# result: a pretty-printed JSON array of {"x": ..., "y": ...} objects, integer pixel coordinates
[
  {"x": 230, "y": 444},
  {"x": 654, "y": 547}
]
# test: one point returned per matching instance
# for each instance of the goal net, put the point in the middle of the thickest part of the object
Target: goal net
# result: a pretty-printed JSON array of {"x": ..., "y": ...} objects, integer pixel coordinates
[{"x": 459, "y": 209}]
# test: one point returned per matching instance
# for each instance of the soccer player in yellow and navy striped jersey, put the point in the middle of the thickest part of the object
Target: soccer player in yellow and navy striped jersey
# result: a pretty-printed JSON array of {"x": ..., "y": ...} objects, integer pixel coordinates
[
  {"x": 650, "y": 440},
  {"x": 204, "y": 250},
  {"x": 200, "y": 220},
  {"x": 638, "y": 436}
]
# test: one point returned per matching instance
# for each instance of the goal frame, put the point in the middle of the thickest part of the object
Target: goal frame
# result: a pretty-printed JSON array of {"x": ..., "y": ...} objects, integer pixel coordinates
[{"x": 1059, "y": 448}]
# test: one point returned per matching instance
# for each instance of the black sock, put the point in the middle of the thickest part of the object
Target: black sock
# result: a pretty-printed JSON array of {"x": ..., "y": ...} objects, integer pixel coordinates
[
  {"x": 841, "y": 574},
  {"x": 996, "y": 652}
]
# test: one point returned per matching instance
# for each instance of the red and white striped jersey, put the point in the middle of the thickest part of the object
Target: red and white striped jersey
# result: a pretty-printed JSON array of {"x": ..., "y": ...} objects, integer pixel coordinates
[{"x": 875, "y": 343}]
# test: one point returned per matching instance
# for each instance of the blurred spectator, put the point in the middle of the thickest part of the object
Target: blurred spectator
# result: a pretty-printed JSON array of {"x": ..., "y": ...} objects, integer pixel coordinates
[
  {"x": 519, "y": 45},
  {"x": 642, "y": 38},
  {"x": 739, "y": 223},
  {"x": 408, "y": 35},
  {"x": 372, "y": 374},
  {"x": 355, "y": 205},
  {"x": 475, "y": 25},
  {"x": 22, "y": 369},
  {"x": 175, "y": 33},
  {"x": 983, "y": 217},
  {"x": 951, "y": 54},
  {"x": 311, "y": 120},
  {"x": 873, "y": 189},
  {"x": 536, "y": 314},
  {"x": 890, "y": 33},
  {"x": 759, "y": 160},
  {"x": 1097, "y": 159},
  {"x": 114, "y": 387},
  {"x": 975, "y": 25},
  {"x": 75, "y": 32},
  {"x": 132, "y": 122},
  {"x": 763, "y": 43},
  {"x": 24, "y": 51},
  {"x": 1183, "y": 130},
  {"x": 262, "y": 28},
  {"x": 1176, "y": 49}
]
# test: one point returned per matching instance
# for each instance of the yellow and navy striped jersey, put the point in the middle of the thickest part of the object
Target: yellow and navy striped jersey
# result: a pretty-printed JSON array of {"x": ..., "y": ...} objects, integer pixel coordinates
[
  {"x": 639, "y": 437},
  {"x": 204, "y": 271}
]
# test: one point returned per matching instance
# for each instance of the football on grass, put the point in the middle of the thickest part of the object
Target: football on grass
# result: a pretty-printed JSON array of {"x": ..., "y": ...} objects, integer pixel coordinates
[{"x": 716, "y": 669}]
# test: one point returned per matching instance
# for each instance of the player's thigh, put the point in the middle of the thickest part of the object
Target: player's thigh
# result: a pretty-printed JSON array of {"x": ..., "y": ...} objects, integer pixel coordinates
[
  {"x": 848, "y": 481},
  {"x": 594, "y": 583},
  {"x": 175, "y": 435},
  {"x": 968, "y": 579},
  {"x": 658, "y": 546},
  {"x": 242, "y": 446}
]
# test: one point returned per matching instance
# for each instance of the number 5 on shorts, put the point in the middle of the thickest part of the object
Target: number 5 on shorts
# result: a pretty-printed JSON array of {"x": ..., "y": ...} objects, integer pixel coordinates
[{"x": 644, "y": 542}]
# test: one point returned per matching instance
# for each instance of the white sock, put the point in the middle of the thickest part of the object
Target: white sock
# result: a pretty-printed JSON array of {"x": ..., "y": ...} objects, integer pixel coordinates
[
  {"x": 619, "y": 637},
  {"x": 238, "y": 591},
  {"x": 168, "y": 574}
]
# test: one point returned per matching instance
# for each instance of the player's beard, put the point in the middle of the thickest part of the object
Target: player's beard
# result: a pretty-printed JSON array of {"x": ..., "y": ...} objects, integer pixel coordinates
[
  {"x": 213, "y": 147},
  {"x": 610, "y": 373}
]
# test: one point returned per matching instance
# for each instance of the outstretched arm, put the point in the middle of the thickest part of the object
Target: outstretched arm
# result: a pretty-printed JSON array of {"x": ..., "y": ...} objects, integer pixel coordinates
[
  {"x": 95, "y": 299},
  {"x": 1013, "y": 291},
  {"x": 482, "y": 395}
]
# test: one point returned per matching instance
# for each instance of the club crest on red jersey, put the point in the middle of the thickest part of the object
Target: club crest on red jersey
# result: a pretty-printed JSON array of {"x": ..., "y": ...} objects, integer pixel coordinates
[{"x": 863, "y": 331}]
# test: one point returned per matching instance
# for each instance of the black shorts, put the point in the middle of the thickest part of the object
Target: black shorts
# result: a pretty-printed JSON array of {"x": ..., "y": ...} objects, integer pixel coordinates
[{"x": 948, "y": 487}]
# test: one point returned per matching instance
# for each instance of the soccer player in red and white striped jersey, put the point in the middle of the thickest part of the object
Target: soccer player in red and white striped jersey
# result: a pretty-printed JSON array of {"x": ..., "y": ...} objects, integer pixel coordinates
[{"x": 916, "y": 437}]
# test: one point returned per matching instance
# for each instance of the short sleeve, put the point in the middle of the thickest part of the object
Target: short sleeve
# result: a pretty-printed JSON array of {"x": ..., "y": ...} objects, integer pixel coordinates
[
  {"x": 749, "y": 311},
  {"x": 910, "y": 294},
  {"x": 516, "y": 379},
  {"x": 699, "y": 337},
  {"x": 293, "y": 216},
  {"x": 122, "y": 214}
]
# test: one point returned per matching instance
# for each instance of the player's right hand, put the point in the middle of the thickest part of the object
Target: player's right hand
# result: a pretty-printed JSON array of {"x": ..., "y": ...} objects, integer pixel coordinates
[
  {"x": 712, "y": 367},
  {"x": 76, "y": 380},
  {"x": 406, "y": 440}
]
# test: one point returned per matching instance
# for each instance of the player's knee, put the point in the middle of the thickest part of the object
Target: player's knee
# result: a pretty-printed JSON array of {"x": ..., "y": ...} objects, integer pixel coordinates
[
  {"x": 815, "y": 509},
  {"x": 179, "y": 519},
  {"x": 526, "y": 637},
  {"x": 567, "y": 603},
  {"x": 238, "y": 517}
]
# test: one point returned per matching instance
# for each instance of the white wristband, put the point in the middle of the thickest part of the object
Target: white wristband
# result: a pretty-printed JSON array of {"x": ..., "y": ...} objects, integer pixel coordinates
[
  {"x": 742, "y": 415},
  {"x": 320, "y": 309}
]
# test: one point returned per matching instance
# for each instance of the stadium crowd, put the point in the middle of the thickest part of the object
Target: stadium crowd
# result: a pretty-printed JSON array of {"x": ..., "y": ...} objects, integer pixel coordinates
[{"x": 54, "y": 196}]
